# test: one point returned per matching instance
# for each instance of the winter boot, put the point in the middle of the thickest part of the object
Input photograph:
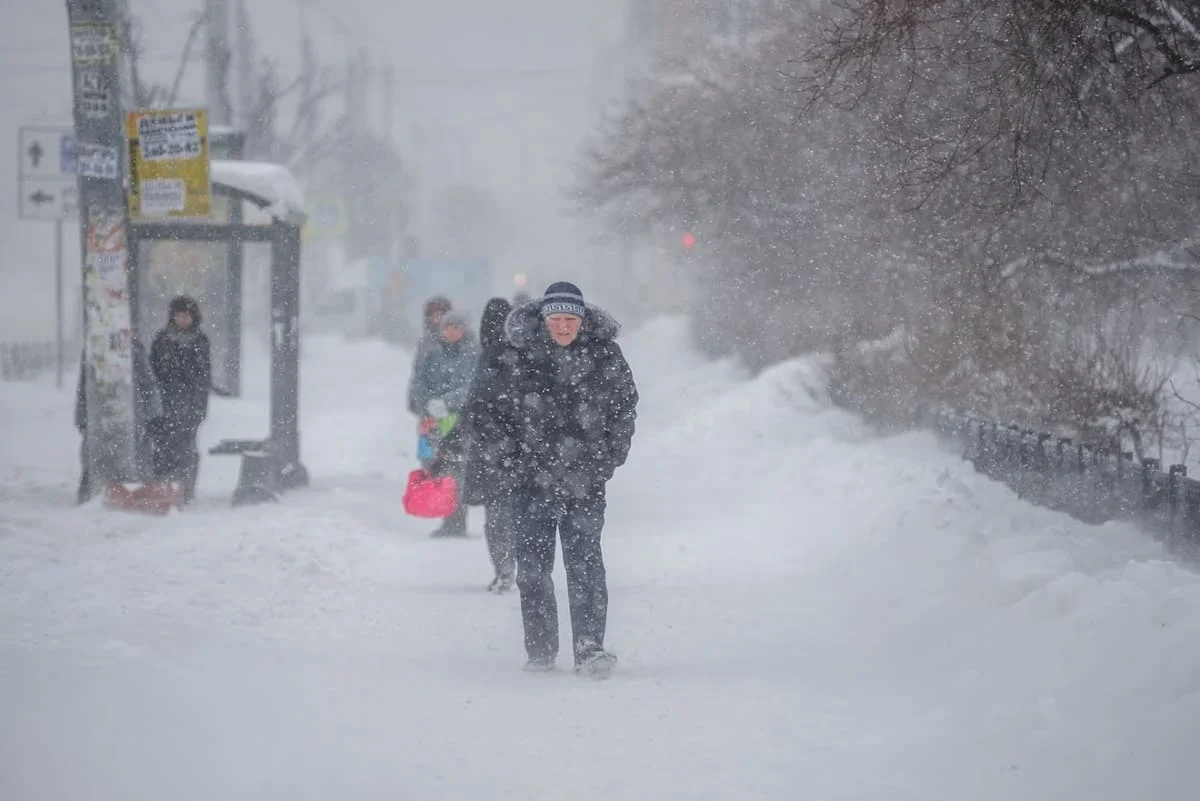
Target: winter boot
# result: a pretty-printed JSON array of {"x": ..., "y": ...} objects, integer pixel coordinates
[
  {"x": 539, "y": 664},
  {"x": 86, "y": 489},
  {"x": 594, "y": 662},
  {"x": 453, "y": 526},
  {"x": 504, "y": 584}
]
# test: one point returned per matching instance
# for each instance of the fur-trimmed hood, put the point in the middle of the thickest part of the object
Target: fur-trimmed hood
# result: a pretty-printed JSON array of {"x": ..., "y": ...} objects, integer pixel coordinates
[{"x": 524, "y": 327}]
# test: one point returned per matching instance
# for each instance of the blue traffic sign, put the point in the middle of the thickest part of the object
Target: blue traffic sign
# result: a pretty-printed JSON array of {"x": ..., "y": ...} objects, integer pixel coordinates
[{"x": 66, "y": 154}]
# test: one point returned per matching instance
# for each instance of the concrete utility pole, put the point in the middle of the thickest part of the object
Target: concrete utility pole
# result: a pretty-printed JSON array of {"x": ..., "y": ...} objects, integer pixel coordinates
[
  {"x": 217, "y": 62},
  {"x": 108, "y": 329}
]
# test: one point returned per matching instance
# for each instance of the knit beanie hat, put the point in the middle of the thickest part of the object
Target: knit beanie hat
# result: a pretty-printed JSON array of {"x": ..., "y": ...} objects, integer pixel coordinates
[
  {"x": 563, "y": 297},
  {"x": 455, "y": 318}
]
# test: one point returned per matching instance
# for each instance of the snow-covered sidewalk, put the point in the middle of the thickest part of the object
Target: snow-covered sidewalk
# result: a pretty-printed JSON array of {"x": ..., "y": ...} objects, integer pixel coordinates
[{"x": 801, "y": 612}]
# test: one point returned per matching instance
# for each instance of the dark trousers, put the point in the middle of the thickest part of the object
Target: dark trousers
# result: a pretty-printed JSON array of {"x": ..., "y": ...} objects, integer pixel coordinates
[
  {"x": 456, "y": 523},
  {"x": 87, "y": 488},
  {"x": 498, "y": 530},
  {"x": 176, "y": 457},
  {"x": 579, "y": 522}
]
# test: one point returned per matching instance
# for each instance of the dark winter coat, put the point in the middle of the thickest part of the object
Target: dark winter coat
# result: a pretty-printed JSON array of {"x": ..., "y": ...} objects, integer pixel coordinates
[
  {"x": 547, "y": 417},
  {"x": 182, "y": 362},
  {"x": 445, "y": 372},
  {"x": 480, "y": 485}
]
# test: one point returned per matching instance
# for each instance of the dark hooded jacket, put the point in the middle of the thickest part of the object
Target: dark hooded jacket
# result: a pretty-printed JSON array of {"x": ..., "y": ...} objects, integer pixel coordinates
[
  {"x": 182, "y": 363},
  {"x": 545, "y": 417},
  {"x": 491, "y": 327},
  {"x": 480, "y": 483}
]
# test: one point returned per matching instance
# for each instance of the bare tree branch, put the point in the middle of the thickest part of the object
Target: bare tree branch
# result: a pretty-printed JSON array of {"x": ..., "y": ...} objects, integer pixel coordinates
[{"x": 193, "y": 32}]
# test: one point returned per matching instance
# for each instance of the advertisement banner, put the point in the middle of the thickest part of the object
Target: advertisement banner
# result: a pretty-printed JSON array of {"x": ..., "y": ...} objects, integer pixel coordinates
[{"x": 168, "y": 164}]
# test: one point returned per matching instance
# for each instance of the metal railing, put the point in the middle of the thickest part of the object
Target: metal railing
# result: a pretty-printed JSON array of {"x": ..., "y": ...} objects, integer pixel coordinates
[
  {"x": 25, "y": 361},
  {"x": 1090, "y": 482}
]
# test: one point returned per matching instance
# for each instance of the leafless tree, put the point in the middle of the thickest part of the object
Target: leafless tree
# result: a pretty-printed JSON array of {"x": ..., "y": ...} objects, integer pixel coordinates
[
  {"x": 1006, "y": 103},
  {"x": 303, "y": 122},
  {"x": 954, "y": 213}
]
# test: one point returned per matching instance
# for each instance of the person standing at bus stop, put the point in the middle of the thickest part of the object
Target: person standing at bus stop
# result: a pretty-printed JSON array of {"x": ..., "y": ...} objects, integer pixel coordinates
[{"x": 181, "y": 360}]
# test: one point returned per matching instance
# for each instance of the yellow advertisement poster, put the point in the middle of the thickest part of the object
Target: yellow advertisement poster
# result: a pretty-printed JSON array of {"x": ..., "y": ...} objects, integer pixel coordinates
[{"x": 168, "y": 164}]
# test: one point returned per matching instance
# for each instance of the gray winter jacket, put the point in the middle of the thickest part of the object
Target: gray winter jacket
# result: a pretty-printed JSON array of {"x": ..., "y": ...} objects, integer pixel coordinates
[{"x": 445, "y": 371}]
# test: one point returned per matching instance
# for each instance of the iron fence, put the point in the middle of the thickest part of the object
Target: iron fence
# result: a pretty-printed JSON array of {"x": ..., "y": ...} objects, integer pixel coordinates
[
  {"x": 1092, "y": 483},
  {"x": 24, "y": 361}
]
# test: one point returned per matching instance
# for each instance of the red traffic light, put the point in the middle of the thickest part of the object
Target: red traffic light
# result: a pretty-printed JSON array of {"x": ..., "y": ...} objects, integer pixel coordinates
[{"x": 689, "y": 241}]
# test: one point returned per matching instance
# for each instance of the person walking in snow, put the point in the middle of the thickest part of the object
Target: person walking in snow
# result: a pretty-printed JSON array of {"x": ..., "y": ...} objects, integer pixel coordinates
[
  {"x": 483, "y": 483},
  {"x": 439, "y": 389},
  {"x": 435, "y": 309},
  {"x": 556, "y": 412},
  {"x": 181, "y": 361}
]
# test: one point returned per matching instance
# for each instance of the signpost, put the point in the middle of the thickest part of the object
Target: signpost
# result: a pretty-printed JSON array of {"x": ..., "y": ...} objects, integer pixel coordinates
[
  {"x": 49, "y": 191},
  {"x": 111, "y": 438}
]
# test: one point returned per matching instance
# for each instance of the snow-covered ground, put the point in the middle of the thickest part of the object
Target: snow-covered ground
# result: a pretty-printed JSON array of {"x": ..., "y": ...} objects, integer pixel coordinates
[{"x": 801, "y": 611}]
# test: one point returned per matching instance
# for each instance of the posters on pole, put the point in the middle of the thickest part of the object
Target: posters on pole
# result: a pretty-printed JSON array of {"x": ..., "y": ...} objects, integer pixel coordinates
[
  {"x": 109, "y": 344},
  {"x": 93, "y": 43},
  {"x": 169, "y": 163},
  {"x": 95, "y": 94},
  {"x": 97, "y": 161},
  {"x": 110, "y": 438}
]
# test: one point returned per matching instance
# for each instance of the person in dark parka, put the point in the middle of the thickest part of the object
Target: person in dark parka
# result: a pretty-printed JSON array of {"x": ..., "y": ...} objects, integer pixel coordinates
[
  {"x": 556, "y": 412},
  {"x": 180, "y": 358},
  {"x": 482, "y": 482}
]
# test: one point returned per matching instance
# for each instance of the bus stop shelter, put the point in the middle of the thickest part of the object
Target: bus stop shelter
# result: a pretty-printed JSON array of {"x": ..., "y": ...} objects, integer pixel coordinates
[{"x": 270, "y": 464}]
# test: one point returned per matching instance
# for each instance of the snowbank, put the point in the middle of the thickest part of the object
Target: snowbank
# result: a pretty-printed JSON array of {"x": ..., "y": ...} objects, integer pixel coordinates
[{"x": 801, "y": 611}]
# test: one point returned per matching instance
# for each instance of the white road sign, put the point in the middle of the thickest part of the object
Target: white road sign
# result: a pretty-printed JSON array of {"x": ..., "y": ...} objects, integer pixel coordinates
[
  {"x": 47, "y": 166},
  {"x": 49, "y": 199}
]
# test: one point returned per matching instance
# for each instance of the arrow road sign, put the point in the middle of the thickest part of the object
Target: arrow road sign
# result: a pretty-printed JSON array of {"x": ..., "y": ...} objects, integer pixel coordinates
[
  {"x": 47, "y": 186},
  {"x": 46, "y": 151},
  {"x": 49, "y": 199}
]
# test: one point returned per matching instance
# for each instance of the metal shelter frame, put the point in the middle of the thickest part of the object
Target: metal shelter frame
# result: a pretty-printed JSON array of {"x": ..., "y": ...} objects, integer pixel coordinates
[{"x": 273, "y": 464}]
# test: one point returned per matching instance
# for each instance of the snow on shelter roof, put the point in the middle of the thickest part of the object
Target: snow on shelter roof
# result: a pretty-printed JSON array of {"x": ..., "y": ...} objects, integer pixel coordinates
[{"x": 273, "y": 184}]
